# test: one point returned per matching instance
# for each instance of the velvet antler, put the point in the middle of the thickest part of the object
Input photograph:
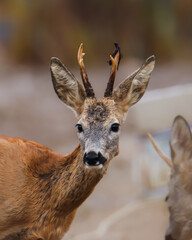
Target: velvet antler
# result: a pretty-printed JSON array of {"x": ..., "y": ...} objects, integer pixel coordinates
[
  {"x": 163, "y": 156},
  {"x": 88, "y": 88}
]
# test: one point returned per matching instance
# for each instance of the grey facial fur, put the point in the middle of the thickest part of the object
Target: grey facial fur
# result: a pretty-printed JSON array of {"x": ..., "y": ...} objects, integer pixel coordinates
[{"x": 96, "y": 121}]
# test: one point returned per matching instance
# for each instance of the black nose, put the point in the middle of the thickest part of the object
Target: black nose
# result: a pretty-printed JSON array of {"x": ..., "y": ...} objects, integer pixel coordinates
[{"x": 93, "y": 159}]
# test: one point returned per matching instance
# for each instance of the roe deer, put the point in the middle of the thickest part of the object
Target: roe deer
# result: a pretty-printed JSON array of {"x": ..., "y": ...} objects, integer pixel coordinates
[
  {"x": 40, "y": 190},
  {"x": 180, "y": 185}
]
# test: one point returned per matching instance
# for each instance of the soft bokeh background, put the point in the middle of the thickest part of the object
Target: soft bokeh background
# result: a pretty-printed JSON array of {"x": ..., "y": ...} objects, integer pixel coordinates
[{"x": 129, "y": 201}]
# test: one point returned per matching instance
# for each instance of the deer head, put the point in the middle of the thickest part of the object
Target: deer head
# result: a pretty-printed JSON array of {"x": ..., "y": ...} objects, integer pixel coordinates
[
  {"x": 99, "y": 120},
  {"x": 180, "y": 185}
]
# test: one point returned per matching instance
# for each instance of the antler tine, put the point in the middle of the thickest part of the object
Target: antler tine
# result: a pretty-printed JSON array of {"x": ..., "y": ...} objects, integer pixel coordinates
[
  {"x": 114, "y": 61},
  {"x": 163, "y": 156},
  {"x": 88, "y": 88}
]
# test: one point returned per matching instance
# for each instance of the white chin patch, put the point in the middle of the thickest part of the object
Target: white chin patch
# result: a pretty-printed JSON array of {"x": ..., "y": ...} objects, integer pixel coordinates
[{"x": 94, "y": 167}]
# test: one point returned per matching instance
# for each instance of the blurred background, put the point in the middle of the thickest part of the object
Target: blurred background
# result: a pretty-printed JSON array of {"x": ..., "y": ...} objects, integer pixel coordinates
[
  {"x": 32, "y": 31},
  {"x": 129, "y": 202}
]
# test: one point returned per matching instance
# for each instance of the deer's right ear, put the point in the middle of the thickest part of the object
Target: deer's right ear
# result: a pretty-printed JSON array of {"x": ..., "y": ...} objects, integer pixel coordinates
[
  {"x": 133, "y": 87},
  {"x": 180, "y": 140},
  {"x": 67, "y": 87}
]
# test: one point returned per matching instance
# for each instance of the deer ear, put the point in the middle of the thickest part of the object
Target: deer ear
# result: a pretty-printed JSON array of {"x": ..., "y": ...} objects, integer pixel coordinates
[
  {"x": 180, "y": 139},
  {"x": 67, "y": 87},
  {"x": 133, "y": 87}
]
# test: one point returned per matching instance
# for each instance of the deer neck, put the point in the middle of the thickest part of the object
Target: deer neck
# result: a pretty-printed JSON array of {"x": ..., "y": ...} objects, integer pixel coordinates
[{"x": 75, "y": 181}]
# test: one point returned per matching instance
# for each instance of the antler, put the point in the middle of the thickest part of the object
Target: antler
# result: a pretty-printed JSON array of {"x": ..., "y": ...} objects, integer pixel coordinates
[
  {"x": 114, "y": 61},
  {"x": 88, "y": 88},
  {"x": 165, "y": 158}
]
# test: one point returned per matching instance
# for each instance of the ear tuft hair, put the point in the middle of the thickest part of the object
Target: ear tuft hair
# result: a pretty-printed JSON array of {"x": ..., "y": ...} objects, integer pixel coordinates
[
  {"x": 67, "y": 87},
  {"x": 180, "y": 140},
  {"x": 133, "y": 87}
]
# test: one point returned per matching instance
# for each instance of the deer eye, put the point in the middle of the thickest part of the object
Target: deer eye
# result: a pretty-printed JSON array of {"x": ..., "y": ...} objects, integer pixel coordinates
[
  {"x": 115, "y": 127},
  {"x": 79, "y": 128}
]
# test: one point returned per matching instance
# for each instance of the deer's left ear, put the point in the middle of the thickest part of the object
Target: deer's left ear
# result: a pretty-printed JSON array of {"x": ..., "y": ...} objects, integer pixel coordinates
[
  {"x": 180, "y": 139},
  {"x": 132, "y": 88}
]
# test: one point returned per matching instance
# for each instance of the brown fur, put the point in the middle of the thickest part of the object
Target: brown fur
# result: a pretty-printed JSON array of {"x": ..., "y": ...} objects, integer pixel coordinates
[{"x": 40, "y": 190}]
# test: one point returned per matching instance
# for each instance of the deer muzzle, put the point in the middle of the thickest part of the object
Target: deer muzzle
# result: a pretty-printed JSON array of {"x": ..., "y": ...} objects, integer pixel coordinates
[{"x": 94, "y": 160}]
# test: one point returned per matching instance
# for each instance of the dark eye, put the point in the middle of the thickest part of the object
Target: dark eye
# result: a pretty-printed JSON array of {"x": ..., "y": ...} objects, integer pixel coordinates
[
  {"x": 115, "y": 127},
  {"x": 79, "y": 128}
]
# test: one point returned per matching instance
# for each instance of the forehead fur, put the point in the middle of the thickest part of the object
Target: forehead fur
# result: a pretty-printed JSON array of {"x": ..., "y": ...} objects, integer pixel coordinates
[{"x": 98, "y": 110}]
